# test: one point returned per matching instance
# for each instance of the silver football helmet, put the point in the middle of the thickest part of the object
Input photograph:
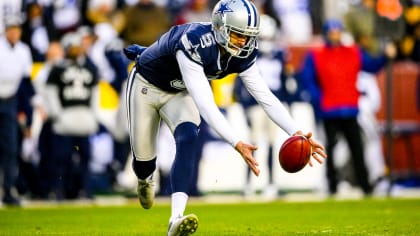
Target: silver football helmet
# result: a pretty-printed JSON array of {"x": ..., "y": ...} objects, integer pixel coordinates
[{"x": 239, "y": 16}]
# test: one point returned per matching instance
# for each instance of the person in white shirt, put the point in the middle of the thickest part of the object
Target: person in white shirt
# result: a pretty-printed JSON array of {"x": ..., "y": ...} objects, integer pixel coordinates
[{"x": 15, "y": 67}]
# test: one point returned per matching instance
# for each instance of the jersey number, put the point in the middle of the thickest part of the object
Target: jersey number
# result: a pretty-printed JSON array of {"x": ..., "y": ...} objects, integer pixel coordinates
[{"x": 207, "y": 40}]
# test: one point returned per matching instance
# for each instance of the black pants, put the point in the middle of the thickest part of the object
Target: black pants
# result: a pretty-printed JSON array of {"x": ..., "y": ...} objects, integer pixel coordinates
[
  {"x": 71, "y": 176},
  {"x": 8, "y": 151},
  {"x": 350, "y": 129}
]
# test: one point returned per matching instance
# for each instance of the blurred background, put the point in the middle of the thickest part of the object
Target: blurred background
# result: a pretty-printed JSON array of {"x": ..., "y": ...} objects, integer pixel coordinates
[{"x": 63, "y": 154}]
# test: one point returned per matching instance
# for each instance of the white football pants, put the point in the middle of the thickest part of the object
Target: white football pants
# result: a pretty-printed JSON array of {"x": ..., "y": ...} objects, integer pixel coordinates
[{"x": 147, "y": 105}]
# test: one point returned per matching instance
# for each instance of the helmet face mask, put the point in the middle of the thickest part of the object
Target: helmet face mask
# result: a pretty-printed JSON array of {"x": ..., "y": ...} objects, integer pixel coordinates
[{"x": 236, "y": 16}]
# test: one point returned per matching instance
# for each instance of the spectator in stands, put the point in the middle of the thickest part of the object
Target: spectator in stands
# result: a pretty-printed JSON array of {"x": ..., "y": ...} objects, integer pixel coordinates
[
  {"x": 9, "y": 8},
  {"x": 175, "y": 8},
  {"x": 266, "y": 7},
  {"x": 360, "y": 22},
  {"x": 317, "y": 15},
  {"x": 196, "y": 11},
  {"x": 295, "y": 18},
  {"x": 35, "y": 165},
  {"x": 106, "y": 53},
  {"x": 330, "y": 74},
  {"x": 38, "y": 31},
  {"x": 15, "y": 67},
  {"x": 54, "y": 56},
  {"x": 105, "y": 11},
  {"x": 66, "y": 16},
  {"x": 369, "y": 105},
  {"x": 410, "y": 44},
  {"x": 144, "y": 22},
  {"x": 27, "y": 179},
  {"x": 72, "y": 98},
  {"x": 105, "y": 36}
]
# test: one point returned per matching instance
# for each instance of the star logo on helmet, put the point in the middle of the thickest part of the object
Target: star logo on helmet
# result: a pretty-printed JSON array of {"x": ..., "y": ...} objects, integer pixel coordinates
[{"x": 223, "y": 8}]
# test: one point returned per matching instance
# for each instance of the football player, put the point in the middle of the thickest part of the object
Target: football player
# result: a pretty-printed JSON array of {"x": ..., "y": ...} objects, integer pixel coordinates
[{"x": 170, "y": 82}]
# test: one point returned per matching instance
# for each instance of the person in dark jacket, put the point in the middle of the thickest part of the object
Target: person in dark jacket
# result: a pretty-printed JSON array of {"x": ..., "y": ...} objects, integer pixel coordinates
[{"x": 72, "y": 101}]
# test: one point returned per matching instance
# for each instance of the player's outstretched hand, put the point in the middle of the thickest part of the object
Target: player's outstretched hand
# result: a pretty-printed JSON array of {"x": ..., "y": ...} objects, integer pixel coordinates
[
  {"x": 246, "y": 151},
  {"x": 317, "y": 149}
]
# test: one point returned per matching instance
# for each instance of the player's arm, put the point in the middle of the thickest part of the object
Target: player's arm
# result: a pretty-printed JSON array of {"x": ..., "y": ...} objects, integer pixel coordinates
[
  {"x": 199, "y": 89},
  {"x": 275, "y": 109}
]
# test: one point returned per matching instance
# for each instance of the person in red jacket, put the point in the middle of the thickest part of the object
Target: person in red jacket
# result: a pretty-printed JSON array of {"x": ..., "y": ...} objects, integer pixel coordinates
[{"x": 329, "y": 74}]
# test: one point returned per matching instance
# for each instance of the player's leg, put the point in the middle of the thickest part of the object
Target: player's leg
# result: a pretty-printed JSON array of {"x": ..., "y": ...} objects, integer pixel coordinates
[
  {"x": 202, "y": 139},
  {"x": 182, "y": 170},
  {"x": 143, "y": 124},
  {"x": 182, "y": 117}
]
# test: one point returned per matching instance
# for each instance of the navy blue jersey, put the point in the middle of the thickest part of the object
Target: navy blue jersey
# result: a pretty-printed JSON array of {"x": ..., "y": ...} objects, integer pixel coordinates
[{"x": 158, "y": 64}]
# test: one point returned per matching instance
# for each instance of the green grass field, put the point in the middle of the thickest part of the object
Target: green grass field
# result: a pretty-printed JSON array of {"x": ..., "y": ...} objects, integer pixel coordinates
[{"x": 329, "y": 217}]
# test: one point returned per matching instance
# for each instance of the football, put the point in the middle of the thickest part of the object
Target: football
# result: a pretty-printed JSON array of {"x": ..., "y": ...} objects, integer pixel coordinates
[{"x": 294, "y": 154}]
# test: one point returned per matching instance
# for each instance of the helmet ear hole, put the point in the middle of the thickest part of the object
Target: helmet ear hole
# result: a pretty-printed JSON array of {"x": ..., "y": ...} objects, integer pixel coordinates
[{"x": 236, "y": 16}]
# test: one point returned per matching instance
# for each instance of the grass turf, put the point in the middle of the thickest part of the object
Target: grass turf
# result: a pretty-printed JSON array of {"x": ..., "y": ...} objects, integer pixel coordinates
[{"x": 361, "y": 217}]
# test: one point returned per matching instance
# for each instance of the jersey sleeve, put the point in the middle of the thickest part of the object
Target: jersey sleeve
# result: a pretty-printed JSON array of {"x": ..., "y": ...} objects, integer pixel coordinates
[{"x": 190, "y": 45}]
